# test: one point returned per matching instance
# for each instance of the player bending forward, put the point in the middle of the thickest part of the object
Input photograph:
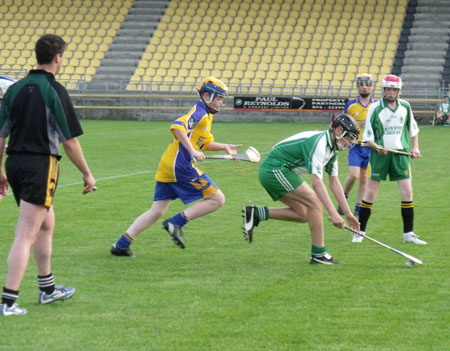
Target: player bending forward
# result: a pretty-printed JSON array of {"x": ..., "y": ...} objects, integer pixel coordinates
[{"x": 307, "y": 152}]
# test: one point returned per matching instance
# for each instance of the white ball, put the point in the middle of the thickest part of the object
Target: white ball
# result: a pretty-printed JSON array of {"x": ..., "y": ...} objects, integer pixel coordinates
[{"x": 409, "y": 264}]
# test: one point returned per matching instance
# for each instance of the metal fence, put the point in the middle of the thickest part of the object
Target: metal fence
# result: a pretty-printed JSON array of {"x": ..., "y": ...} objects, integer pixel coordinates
[{"x": 421, "y": 98}]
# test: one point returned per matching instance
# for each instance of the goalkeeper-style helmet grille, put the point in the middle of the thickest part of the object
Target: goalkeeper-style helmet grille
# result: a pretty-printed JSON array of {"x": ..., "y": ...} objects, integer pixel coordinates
[
  {"x": 364, "y": 77},
  {"x": 348, "y": 125},
  {"x": 391, "y": 81},
  {"x": 214, "y": 87}
]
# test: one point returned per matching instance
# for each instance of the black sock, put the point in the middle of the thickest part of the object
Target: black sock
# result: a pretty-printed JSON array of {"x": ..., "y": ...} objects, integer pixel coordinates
[
  {"x": 408, "y": 216},
  {"x": 46, "y": 283},
  {"x": 9, "y": 296},
  {"x": 364, "y": 214}
]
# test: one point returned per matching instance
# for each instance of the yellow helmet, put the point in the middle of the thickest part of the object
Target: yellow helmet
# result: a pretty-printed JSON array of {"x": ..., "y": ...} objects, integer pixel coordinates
[
  {"x": 214, "y": 87},
  {"x": 364, "y": 77}
]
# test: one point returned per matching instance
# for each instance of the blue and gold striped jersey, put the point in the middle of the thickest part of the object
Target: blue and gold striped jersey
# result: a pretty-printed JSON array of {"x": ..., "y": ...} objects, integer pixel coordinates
[
  {"x": 359, "y": 112},
  {"x": 175, "y": 164}
]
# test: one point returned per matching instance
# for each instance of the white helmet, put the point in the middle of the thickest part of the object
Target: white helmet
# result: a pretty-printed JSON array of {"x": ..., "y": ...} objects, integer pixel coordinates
[
  {"x": 6, "y": 82},
  {"x": 391, "y": 81}
]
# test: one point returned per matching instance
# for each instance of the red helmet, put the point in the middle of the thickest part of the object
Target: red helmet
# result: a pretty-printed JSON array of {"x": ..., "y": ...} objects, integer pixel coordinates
[{"x": 391, "y": 81}]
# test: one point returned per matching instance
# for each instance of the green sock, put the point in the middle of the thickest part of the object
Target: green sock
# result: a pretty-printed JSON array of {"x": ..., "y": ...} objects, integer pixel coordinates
[
  {"x": 262, "y": 213},
  {"x": 318, "y": 250}
]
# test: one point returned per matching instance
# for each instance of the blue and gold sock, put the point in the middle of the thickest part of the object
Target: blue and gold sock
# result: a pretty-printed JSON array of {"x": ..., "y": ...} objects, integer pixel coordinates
[
  {"x": 179, "y": 219},
  {"x": 124, "y": 241}
]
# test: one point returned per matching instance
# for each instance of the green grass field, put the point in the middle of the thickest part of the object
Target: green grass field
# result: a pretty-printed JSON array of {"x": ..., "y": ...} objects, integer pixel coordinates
[{"x": 222, "y": 293}]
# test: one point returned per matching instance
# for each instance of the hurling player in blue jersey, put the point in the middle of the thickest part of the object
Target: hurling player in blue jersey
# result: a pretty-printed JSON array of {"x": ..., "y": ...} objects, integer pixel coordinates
[
  {"x": 178, "y": 177},
  {"x": 358, "y": 156}
]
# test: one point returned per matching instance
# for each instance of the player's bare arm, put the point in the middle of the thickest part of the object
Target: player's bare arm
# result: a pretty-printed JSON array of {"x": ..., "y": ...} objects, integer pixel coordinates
[
  {"x": 230, "y": 149},
  {"x": 73, "y": 150},
  {"x": 322, "y": 193},
  {"x": 415, "y": 147}
]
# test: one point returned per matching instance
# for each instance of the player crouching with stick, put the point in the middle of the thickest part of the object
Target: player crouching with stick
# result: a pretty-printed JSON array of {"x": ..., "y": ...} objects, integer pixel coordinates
[
  {"x": 307, "y": 152},
  {"x": 177, "y": 176},
  {"x": 388, "y": 124}
]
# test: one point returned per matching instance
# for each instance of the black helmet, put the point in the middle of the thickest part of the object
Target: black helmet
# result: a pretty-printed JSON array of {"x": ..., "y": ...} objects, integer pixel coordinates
[{"x": 347, "y": 123}]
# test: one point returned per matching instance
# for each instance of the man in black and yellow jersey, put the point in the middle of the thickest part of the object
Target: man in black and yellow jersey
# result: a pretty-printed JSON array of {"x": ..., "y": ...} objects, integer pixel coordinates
[{"x": 37, "y": 115}]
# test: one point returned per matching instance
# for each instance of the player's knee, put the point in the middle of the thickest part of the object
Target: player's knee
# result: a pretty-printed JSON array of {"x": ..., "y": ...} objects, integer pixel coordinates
[
  {"x": 302, "y": 215},
  {"x": 219, "y": 200},
  {"x": 316, "y": 206}
]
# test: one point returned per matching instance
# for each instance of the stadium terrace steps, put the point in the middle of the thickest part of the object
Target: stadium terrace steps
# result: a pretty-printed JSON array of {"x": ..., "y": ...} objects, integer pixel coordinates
[
  {"x": 427, "y": 45},
  {"x": 128, "y": 46},
  {"x": 424, "y": 61}
]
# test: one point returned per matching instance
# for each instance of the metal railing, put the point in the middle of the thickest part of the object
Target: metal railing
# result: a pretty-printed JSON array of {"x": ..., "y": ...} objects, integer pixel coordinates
[{"x": 422, "y": 98}]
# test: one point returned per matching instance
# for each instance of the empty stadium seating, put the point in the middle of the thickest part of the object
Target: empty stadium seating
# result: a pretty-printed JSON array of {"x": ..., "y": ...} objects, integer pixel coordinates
[
  {"x": 280, "y": 42},
  {"x": 266, "y": 41},
  {"x": 87, "y": 26}
]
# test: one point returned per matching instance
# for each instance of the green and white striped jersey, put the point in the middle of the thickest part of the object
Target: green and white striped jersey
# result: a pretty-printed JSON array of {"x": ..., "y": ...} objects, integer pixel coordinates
[
  {"x": 305, "y": 152},
  {"x": 390, "y": 128},
  {"x": 445, "y": 108}
]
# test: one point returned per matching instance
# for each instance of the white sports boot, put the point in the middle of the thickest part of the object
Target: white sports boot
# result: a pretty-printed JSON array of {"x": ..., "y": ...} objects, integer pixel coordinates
[
  {"x": 413, "y": 238},
  {"x": 358, "y": 238}
]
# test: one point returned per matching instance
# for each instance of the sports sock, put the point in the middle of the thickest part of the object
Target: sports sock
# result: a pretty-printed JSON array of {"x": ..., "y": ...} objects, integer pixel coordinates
[
  {"x": 408, "y": 216},
  {"x": 179, "y": 219},
  {"x": 357, "y": 208},
  {"x": 124, "y": 241},
  {"x": 318, "y": 251},
  {"x": 262, "y": 213},
  {"x": 9, "y": 296},
  {"x": 364, "y": 214},
  {"x": 46, "y": 283}
]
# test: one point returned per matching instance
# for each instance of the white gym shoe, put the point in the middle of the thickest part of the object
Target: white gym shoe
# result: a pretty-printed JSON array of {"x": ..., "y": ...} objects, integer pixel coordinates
[
  {"x": 9, "y": 311},
  {"x": 357, "y": 238},
  {"x": 413, "y": 238},
  {"x": 60, "y": 293}
]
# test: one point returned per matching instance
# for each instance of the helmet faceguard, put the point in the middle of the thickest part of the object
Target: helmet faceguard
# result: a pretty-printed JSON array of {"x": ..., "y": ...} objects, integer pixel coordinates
[
  {"x": 362, "y": 80},
  {"x": 349, "y": 128},
  {"x": 364, "y": 77},
  {"x": 214, "y": 87},
  {"x": 391, "y": 81}
]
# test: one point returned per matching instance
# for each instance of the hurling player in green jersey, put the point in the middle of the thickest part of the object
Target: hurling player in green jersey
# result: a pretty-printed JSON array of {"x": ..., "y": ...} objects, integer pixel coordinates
[
  {"x": 390, "y": 124},
  {"x": 310, "y": 152}
]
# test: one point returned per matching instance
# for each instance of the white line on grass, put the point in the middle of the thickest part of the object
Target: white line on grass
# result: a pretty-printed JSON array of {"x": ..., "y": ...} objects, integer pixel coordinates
[
  {"x": 120, "y": 176},
  {"x": 107, "y": 178},
  {"x": 130, "y": 174},
  {"x": 124, "y": 175}
]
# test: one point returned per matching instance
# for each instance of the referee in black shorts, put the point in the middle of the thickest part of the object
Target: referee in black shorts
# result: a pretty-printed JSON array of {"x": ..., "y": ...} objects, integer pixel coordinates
[{"x": 37, "y": 115}]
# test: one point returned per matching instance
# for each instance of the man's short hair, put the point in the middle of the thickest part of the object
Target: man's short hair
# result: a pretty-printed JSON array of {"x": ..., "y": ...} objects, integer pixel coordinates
[{"x": 47, "y": 47}]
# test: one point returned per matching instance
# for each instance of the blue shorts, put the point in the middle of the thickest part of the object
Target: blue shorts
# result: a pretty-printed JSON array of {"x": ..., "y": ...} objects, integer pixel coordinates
[
  {"x": 200, "y": 188},
  {"x": 358, "y": 156}
]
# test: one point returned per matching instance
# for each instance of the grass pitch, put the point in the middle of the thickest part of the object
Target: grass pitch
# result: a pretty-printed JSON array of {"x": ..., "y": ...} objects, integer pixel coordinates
[{"x": 222, "y": 293}]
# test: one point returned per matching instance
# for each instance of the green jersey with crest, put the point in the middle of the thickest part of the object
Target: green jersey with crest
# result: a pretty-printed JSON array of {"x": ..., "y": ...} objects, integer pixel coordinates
[{"x": 390, "y": 128}]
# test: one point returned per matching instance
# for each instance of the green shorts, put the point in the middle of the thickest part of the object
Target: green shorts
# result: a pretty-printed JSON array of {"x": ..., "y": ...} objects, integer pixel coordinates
[
  {"x": 396, "y": 166},
  {"x": 278, "y": 182}
]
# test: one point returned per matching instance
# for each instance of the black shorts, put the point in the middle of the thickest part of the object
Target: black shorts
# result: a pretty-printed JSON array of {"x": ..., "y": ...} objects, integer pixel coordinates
[{"x": 33, "y": 178}]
